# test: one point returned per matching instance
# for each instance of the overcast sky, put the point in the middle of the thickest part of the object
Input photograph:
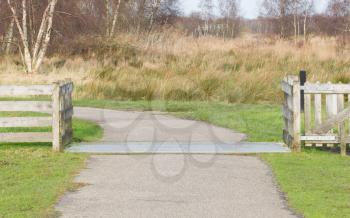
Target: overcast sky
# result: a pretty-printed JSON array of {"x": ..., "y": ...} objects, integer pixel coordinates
[{"x": 249, "y": 8}]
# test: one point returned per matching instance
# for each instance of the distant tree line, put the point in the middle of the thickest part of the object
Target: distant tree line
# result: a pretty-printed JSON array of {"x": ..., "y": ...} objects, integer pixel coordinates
[
  {"x": 298, "y": 19},
  {"x": 31, "y": 28},
  {"x": 205, "y": 23}
]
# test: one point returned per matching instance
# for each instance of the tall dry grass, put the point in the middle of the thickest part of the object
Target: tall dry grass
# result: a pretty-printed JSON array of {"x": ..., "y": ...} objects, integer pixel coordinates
[{"x": 171, "y": 66}]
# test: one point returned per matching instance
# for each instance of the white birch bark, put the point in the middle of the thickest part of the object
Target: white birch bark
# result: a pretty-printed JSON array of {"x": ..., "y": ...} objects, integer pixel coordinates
[
  {"x": 115, "y": 17},
  {"x": 47, "y": 37},
  {"x": 33, "y": 57},
  {"x": 305, "y": 27},
  {"x": 27, "y": 55},
  {"x": 108, "y": 11},
  {"x": 40, "y": 33},
  {"x": 9, "y": 37},
  {"x": 155, "y": 8},
  {"x": 24, "y": 38}
]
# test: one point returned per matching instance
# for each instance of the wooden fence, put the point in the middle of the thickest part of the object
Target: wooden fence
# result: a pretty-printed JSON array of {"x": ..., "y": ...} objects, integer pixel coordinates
[
  {"x": 291, "y": 112},
  {"x": 326, "y": 114},
  {"x": 61, "y": 109}
]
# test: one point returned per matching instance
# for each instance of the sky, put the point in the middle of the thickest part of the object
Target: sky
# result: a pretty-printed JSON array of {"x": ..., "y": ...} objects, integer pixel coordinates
[{"x": 249, "y": 8}]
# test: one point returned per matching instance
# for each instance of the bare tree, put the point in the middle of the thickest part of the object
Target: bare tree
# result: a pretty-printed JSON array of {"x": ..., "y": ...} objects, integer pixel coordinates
[
  {"x": 141, "y": 8},
  {"x": 340, "y": 11},
  {"x": 229, "y": 11},
  {"x": 307, "y": 10},
  {"x": 279, "y": 9},
  {"x": 8, "y": 39},
  {"x": 296, "y": 9},
  {"x": 112, "y": 15},
  {"x": 33, "y": 53},
  {"x": 155, "y": 4},
  {"x": 302, "y": 9},
  {"x": 207, "y": 9}
]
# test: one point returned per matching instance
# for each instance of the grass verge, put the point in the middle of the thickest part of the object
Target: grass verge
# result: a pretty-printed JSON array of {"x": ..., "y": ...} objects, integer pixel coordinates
[
  {"x": 32, "y": 177},
  {"x": 316, "y": 183}
]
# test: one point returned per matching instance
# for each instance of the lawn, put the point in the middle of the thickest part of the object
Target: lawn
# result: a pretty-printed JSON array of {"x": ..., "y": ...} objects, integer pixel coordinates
[
  {"x": 32, "y": 177},
  {"x": 316, "y": 183}
]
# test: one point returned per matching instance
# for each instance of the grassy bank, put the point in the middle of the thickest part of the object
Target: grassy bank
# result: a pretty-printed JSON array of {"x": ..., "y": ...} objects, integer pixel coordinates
[{"x": 32, "y": 177}]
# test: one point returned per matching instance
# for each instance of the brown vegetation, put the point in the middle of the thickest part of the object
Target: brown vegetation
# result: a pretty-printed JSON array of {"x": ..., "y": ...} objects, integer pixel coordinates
[
  {"x": 145, "y": 49},
  {"x": 178, "y": 67}
]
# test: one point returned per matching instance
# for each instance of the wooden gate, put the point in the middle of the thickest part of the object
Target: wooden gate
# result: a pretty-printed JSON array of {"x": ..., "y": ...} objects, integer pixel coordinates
[{"x": 326, "y": 114}]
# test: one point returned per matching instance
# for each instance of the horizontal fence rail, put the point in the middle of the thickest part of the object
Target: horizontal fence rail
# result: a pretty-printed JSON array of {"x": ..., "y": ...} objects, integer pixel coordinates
[
  {"x": 25, "y": 122},
  {"x": 329, "y": 88},
  {"x": 33, "y": 106},
  {"x": 34, "y": 90},
  {"x": 60, "y": 113},
  {"x": 26, "y": 137}
]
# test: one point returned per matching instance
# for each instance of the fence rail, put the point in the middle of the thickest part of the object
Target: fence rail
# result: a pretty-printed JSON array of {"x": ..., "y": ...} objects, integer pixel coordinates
[
  {"x": 326, "y": 110},
  {"x": 13, "y": 91},
  {"x": 60, "y": 108}
]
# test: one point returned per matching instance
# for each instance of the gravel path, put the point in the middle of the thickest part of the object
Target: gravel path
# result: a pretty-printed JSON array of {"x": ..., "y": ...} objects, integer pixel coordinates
[{"x": 175, "y": 186}]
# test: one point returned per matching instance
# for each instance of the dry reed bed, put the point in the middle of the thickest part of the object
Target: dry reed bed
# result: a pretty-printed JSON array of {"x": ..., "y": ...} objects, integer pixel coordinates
[{"x": 174, "y": 67}]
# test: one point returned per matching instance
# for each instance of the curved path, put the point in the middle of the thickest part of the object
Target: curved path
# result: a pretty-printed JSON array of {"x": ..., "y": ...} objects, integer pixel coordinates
[
  {"x": 156, "y": 132},
  {"x": 169, "y": 185}
]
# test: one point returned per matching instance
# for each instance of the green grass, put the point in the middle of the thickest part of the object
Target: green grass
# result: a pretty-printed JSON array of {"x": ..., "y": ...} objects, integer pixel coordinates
[
  {"x": 260, "y": 122},
  {"x": 32, "y": 177},
  {"x": 316, "y": 183},
  {"x": 86, "y": 131}
]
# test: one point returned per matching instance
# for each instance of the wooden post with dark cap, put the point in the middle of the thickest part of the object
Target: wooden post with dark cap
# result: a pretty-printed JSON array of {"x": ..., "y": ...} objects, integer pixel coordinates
[{"x": 303, "y": 79}]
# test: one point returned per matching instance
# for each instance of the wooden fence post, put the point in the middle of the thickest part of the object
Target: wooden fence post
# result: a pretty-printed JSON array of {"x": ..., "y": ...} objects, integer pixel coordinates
[
  {"x": 342, "y": 126},
  {"x": 296, "y": 114},
  {"x": 57, "y": 142},
  {"x": 303, "y": 78},
  {"x": 67, "y": 112}
]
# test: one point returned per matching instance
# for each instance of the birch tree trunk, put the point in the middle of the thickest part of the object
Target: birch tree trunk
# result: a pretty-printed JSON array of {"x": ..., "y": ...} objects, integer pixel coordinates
[
  {"x": 295, "y": 21},
  {"x": 112, "y": 15},
  {"x": 298, "y": 22},
  {"x": 9, "y": 37},
  {"x": 33, "y": 57},
  {"x": 115, "y": 17},
  {"x": 295, "y": 29},
  {"x": 305, "y": 28},
  {"x": 39, "y": 59},
  {"x": 141, "y": 13},
  {"x": 282, "y": 17},
  {"x": 155, "y": 8},
  {"x": 108, "y": 16}
]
